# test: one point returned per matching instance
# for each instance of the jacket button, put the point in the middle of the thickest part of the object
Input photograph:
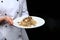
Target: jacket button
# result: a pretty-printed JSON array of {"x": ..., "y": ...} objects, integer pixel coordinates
[
  {"x": 5, "y": 14},
  {"x": 19, "y": 36},
  {"x": 2, "y": 1},
  {"x": 17, "y": 0},
  {"x": 5, "y": 39},
  {"x": 17, "y": 12},
  {"x": 6, "y": 26}
]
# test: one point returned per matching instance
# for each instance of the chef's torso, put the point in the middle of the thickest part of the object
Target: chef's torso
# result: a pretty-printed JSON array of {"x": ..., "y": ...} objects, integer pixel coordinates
[{"x": 9, "y": 8}]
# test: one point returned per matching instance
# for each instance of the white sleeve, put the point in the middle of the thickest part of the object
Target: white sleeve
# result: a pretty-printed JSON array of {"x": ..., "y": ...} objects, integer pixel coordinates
[
  {"x": 24, "y": 9},
  {"x": 24, "y": 35}
]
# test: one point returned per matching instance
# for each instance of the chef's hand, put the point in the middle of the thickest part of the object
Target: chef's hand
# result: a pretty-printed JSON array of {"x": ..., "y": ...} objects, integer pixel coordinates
[{"x": 9, "y": 20}]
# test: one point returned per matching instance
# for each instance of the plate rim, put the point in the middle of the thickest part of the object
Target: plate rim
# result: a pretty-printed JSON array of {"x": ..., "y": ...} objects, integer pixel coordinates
[{"x": 29, "y": 27}]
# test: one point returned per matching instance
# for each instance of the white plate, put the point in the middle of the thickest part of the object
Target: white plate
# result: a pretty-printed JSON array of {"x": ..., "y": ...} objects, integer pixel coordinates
[{"x": 39, "y": 21}]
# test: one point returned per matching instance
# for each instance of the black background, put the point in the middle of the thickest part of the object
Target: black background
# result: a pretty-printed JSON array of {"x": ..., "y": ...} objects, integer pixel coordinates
[{"x": 52, "y": 21}]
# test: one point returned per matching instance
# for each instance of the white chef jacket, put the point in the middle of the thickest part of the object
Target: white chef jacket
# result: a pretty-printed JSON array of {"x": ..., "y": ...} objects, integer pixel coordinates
[{"x": 13, "y": 9}]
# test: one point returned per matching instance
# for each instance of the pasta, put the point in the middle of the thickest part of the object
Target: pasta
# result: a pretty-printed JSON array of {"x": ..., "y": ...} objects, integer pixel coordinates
[{"x": 28, "y": 21}]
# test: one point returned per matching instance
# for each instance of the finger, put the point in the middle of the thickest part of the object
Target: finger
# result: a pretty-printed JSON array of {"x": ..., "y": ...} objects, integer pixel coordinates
[{"x": 10, "y": 21}]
